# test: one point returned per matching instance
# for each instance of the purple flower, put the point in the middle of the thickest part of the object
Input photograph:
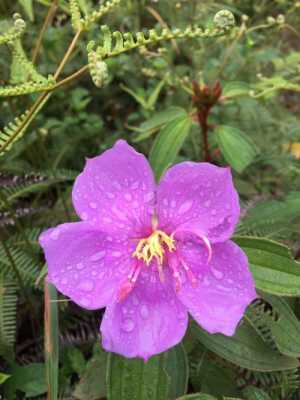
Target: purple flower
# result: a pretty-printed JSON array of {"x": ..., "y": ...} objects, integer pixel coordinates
[{"x": 151, "y": 254}]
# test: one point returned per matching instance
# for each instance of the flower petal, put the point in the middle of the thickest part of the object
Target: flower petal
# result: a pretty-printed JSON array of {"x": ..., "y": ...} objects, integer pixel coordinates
[
  {"x": 149, "y": 321},
  {"x": 200, "y": 198},
  {"x": 116, "y": 191},
  {"x": 85, "y": 264},
  {"x": 225, "y": 286}
]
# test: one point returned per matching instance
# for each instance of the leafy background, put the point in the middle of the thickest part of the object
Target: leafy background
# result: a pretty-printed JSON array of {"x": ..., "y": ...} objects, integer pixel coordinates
[{"x": 145, "y": 96}]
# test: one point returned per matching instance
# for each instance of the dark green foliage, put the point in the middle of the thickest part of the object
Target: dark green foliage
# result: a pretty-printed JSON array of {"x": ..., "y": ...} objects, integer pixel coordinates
[{"x": 130, "y": 76}]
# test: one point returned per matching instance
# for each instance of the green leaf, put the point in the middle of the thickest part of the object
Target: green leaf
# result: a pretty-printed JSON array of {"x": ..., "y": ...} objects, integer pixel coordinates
[
  {"x": 245, "y": 349},
  {"x": 134, "y": 379},
  {"x": 27, "y": 6},
  {"x": 237, "y": 148},
  {"x": 168, "y": 143},
  {"x": 30, "y": 379},
  {"x": 8, "y": 311},
  {"x": 3, "y": 378},
  {"x": 92, "y": 384},
  {"x": 235, "y": 89},
  {"x": 197, "y": 396},
  {"x": 286, "y": 329},
  {"x": 254, "y": 393},
  {"x": 178, "y": 370},
  {"x": 272, "y": 266},
  {"x": 159, "y": 119}
]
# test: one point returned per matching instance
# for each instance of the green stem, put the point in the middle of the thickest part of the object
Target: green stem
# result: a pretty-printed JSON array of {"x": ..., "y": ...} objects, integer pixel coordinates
[{"x": 51, "y": 340}]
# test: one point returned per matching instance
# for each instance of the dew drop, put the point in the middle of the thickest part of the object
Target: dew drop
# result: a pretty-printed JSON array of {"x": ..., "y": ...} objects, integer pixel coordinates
[
  {"x": 98, "y": 256},
  {"x": 55, "y": 234},
  {"x": 148, "y": 197},
  {"x": 185, "y": 207},
  {"x": 64, "y": 281},
  {"x": 116, "y": 254},
  {"x": 128, "y": 325},
  {"x": 84, "y": 216},
  {"x": 135, "y": 300},
  {"x": 144, "y": 311},
  {"x": 110, "y": 195},
  {"x": 173, "y": 203},
  {"x": 93, "y": 205},
  {"x": 85, "y": 302},
  {"x": 80, "y": 266},
  {"x": 135, "y": 185},
  {"x": 128, "y": 196},
  {"x": 213, "y": 212},
  {"x": 217, "y": 274},
  {"x": 107, "y": 220},
  {"x": 207, "y": 203},
  {"x": 86, "y": 285}
]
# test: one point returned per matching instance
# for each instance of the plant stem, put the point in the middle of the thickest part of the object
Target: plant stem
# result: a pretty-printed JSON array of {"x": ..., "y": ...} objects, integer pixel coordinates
[
  {"x": 202, "y": 120},
  {"x": 47, "y": 22},
  {"x": 51, "y": 340},
  {"x": 67, "y": 55}
]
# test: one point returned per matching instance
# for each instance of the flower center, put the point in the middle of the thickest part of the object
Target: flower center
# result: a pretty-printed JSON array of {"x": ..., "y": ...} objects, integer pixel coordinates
[{"x": 154, "y": 246}]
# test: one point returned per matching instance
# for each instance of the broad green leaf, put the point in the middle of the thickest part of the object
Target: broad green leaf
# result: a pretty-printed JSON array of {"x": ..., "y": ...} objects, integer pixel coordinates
[
  {"x": 3, "y": 377},
  {"x": 272, "y": 266},
  {"x": 245, "y": 349},
  {"x": 159, "y": 119},
  {"x": 197, "y": 396},
  {"x": 286, "y": 329},
  {"x": 254, "y": 393},
  {"x": 237, "y": 149},
  {"x": 178, "y": 370},
  {"x": 210, "y": 372},
  {"x": 92, "y": 385},
  {"x": 27, "y": 6},
  {"x": 271, "y": 216},
  {"x": 133, "y": 379},
  {"x": 30, "y": 379},
  {"x": 168, "y": 143},
  {"x": 235, "y": 89}
]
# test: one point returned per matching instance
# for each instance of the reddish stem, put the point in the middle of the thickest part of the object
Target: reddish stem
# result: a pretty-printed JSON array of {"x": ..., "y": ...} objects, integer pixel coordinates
[{"x": 203, "y": 123}]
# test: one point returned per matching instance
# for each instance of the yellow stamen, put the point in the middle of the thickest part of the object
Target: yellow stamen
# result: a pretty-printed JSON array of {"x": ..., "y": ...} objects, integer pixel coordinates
[{"x": 153, "y": 247}]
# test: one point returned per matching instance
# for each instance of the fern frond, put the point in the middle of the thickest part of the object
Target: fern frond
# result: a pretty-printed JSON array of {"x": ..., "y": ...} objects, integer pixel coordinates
[
  {"x": 27, "y": 267},
  {"x": 96, "y": 15},
  {"x": 116, "y": 43},
  {"x": 22, "y": 69},
  {"x": 15, "y": 32},
  {"x": 8, "y": 306},
  {"x": 14, "y": 130},
  {"x": 32, "y": 184},
  {"x": 27, "y": 88}
]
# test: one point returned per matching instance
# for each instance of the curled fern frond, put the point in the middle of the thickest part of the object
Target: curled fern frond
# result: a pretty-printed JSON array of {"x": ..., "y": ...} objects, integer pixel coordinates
[
  {"x": 15, "y": 32},
  {"x": 8, "y": 305},
  {"x": 27, "y": 88},
  {"x": 98, "y": 68},
  {"x": 75, "y": 15},
  {"x": 14, "y": 130},
  {"x": 96, "y": 15},
  {"x": 116, "y": 43}
]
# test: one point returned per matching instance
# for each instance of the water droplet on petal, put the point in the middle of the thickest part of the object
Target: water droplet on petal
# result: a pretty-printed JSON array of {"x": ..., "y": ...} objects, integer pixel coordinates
[
  {"x": 217, "y": 274},
  {"x": 110, "y": 195},
  {"x": 173, "y": 203},
  {"x": 55, "y": 234},
  {"x": 116, "y": 254},
  {"x": 128, "y": 196},
  {"x": 128, "y": 325},
  {"x": 80, "y": 266},
  {"x": 144, "y": 311},
  {"x": 213, "y": 212},
  {"x": 84, "y": 216},
  {"x": 98, "y": 256},
  {"x": 207, "y": 203},
  {"x": 85, "y": 302},
  {"x": 185, "y": 207},
  {"x": 148, "y": 197},
  {"x": 86, "y": 285},
  {"x": 93, "y": 205}
]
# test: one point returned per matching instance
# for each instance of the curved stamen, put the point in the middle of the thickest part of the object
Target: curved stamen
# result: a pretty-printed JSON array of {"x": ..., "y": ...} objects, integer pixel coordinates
[
  {"x": 176, "y": 274},
  {"x": 127, "y": 286},
  {"x": 189, "y": 273},
  {"x": 204, "y": 238}
]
